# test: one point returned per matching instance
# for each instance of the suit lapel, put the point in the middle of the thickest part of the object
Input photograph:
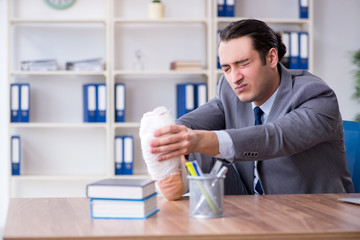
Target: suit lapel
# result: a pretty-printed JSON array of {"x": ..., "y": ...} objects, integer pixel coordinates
[{"x": 283, "y": 95}]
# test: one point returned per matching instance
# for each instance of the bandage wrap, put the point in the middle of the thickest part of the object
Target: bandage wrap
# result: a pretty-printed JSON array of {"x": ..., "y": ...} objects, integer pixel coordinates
[{"x": 151, "y": 121}]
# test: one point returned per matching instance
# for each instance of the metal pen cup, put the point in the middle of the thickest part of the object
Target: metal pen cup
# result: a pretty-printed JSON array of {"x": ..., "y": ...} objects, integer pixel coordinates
[{"x": 206, "y": 196}]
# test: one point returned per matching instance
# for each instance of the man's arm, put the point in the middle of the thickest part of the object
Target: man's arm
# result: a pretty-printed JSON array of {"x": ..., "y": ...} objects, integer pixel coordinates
[{"x": 176, "y": 140}]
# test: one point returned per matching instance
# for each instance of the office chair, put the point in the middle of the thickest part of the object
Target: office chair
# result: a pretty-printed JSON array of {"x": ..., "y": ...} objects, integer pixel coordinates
[{"x": 352, "y": 145}]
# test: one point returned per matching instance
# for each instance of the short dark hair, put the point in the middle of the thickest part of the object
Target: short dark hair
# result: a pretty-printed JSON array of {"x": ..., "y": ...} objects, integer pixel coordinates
[{"x": 262, "y": 36}]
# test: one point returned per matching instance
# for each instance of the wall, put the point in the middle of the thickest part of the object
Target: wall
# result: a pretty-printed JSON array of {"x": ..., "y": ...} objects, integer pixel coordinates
[{"x": 336, "y": 35}]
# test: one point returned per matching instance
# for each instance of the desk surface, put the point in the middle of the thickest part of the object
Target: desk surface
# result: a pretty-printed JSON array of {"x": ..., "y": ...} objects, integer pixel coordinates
[{"x": 319, "y": 216}]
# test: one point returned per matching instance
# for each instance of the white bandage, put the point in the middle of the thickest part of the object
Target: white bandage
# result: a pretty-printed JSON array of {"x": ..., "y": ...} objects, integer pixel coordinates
[{"x": 151, "y": 121}]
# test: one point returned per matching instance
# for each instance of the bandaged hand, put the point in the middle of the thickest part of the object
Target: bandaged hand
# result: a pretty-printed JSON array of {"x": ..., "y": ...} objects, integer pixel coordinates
[{"x": 167, "y": 173}]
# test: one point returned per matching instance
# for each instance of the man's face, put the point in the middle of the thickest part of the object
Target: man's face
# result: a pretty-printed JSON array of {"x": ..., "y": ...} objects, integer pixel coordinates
[{"x": 244, "y": 70}]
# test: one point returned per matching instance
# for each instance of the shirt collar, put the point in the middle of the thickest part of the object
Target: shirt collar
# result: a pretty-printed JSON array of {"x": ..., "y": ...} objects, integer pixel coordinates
[{"x": 266, "y": 106}]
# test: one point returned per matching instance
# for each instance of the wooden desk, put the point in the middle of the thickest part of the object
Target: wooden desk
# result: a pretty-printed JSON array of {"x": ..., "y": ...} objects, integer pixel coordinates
[{"x": 319, "y": 216}]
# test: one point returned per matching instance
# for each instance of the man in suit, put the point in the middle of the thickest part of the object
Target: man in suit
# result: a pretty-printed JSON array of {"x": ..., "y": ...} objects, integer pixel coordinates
[{"x": 296, "y": 144}]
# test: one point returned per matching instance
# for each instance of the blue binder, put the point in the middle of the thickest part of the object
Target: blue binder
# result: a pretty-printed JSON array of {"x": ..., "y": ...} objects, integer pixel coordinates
[
  {"x": 294, "y": 51},
  {"x": 304, "y": 8},
  {"x": 200, "y": 94},
  {"x": 286, "y": 40},
  {"x": 14, "y": 102},
  {"x": 230, "y": 8},
  {"x": 119, "y": 155},
  {"x": 217, "y": 57},
  {"x": 185, "y": 98},
  {"x": 221, "y": 7},
  {"x": 304, "y": 50},
  {"x": 89, "y": 102},
  {"x": 24, "y": 102},
  {"x": 15, "y": 155},
  {"x": 100, "y": 102},
  {"x": 128, "y": 155},
  {"x": 120, "y": 102}
]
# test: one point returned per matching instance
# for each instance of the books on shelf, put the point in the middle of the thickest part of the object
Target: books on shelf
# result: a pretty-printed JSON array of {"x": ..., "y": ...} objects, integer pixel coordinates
[
  {"x": 124, "y": 155},
  {"x": 190, "y": 96},
  {"x": 19, "y": 102},
  {"x": 96, "y": 64},
  {"x": 185, "y": 65},
  {"x": 15, "y": 155},
  {"x": 122, "y": 198},
  {"x": 39, "y": 65},
  {"x": 94, "y": 95}
]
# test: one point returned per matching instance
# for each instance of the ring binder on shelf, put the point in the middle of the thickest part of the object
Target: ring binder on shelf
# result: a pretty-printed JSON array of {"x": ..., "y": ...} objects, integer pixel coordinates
[
  {"x": 120, "y": 102},
  {"x": 15, "y": 155}
]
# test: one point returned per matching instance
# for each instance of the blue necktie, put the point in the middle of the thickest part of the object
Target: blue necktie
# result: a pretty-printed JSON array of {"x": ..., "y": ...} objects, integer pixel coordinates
[{"x": 258, "y": 113}]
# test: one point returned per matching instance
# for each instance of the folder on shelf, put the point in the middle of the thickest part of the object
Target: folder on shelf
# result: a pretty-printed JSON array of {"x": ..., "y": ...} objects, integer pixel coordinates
[
  {"x": 24, "y": 102},
  {"x": 89, "y": 102},
  {"x": 217, "y": 57},
  {"x": 101, "y": 103},
  {"x": 200, "y": 94},
  {"x": 120, "y": 102},
  {"x": 119, "y": 155},
  {"x": 185, "y": 98},
  {"x": 294, "y": 50},
  {"x": 304, "y": 50},
  {"x": 304, "y": 8},
  {"x": 15, "y": 155},
  {"x": 286, "y": 40},
  {"x": 230, "y": 8},
  {"x": 14, "y": 103},
  {"x": 128, "y": 155},
  {"x": 221, "y": 8}
]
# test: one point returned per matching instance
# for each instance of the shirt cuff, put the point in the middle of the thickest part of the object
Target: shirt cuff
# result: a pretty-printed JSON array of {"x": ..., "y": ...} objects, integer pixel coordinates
[{"x": 226, "y": 146}]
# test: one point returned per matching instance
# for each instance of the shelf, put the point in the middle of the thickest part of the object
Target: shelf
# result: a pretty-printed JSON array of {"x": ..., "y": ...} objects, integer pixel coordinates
[
  {"x": 57, "y": 125},
  {"x": 52, "y": 21},
  {"x": 164, "y": 20},
  {"x": 267, "y": 20},
  {"x": 57, "y": 73},
  {"x": 165, "y": 72},
  {"x": 71, "y": 178},
  {"x": 127, "y": 125}
]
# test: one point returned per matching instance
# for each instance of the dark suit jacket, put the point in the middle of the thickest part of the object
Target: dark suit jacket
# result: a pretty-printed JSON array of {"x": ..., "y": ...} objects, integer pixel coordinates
[{"x": 300, "y": 149}]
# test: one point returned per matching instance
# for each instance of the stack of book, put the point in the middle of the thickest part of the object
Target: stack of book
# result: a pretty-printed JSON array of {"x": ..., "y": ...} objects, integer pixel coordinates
[
  {"x": 122, "y": 198},
  {"x": 96, "y": 64},
  {"x": 185, "y": 65},
  {"x": 39, "y": 65}
]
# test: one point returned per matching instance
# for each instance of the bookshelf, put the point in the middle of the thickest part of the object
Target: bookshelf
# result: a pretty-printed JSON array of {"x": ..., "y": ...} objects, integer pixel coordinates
[{"x": 61, "y": 153}]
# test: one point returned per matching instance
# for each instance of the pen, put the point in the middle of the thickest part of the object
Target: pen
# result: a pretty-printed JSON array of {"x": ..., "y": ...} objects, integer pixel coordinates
[
  {"x": 222, "y": 172},
  {"x": 209, "y": 200}
]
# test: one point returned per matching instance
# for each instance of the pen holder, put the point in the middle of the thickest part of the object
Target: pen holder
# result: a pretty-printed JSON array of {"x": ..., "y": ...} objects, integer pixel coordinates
[{"x": 206, "y": 196}]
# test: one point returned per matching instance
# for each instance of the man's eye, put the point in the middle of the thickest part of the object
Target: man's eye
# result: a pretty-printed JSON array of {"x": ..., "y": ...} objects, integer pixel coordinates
[{"x": 226, "y": 69}]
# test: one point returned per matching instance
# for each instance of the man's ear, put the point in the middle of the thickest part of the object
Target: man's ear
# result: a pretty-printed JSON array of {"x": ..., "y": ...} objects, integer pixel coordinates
[{"x": 272, "y": 57}]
